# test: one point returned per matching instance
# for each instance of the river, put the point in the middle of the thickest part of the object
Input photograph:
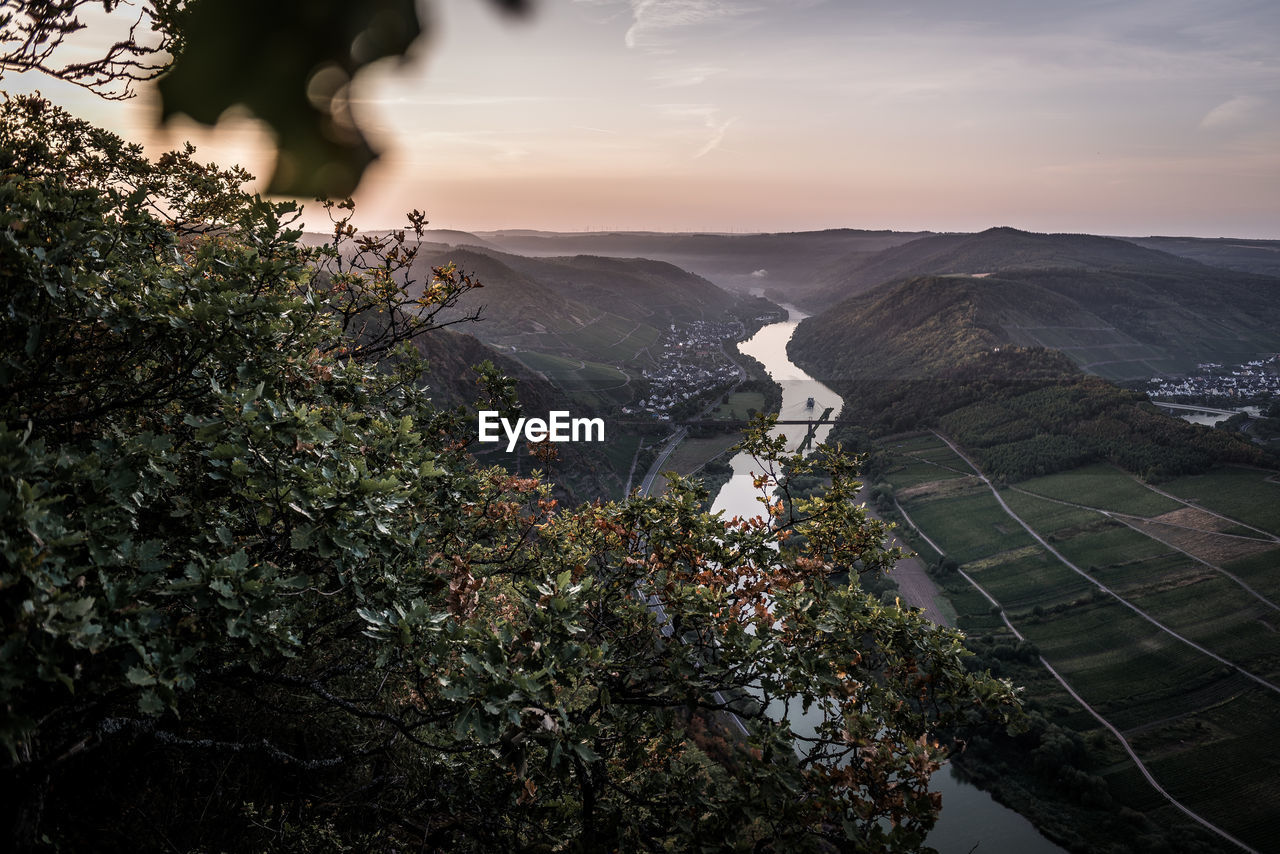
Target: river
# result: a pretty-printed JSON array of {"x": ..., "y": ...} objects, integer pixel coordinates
[{"x": 971, "y": 821}]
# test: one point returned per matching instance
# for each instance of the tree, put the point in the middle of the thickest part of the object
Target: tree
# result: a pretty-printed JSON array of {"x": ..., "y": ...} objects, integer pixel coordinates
[
  {"x": 33, "y": 33},
  {"x": 256, "y": 595},
  {"x": 217, "y": 54}
]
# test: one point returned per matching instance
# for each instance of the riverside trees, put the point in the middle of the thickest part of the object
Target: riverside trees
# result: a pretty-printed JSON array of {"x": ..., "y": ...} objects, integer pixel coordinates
[{"x": 255, "y": 595}]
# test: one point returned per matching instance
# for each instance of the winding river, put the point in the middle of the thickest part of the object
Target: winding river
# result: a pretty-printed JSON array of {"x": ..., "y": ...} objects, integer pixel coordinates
[{"x": 971, "y": 821}]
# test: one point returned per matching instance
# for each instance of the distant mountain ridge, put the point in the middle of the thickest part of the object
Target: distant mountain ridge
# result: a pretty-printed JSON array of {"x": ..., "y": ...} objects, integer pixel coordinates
[
  {"x": 1245, "y": 256},
  {"x": 523, "y": 295},
  {"x": 769, "y": 263},
  {"x": 994, "y": 250}
]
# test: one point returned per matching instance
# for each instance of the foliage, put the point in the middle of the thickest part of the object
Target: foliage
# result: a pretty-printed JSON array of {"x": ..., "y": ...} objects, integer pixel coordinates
[
  {"x": 32, "y": 33},
  {"x": 1023, "y": 412},
  {"x": 256, "y": 595},
  {"x": 213, "y": 55}
]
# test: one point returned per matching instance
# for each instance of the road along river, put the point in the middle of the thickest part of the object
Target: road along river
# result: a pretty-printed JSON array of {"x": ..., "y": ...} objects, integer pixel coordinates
[{"x": 971, "y": 821}]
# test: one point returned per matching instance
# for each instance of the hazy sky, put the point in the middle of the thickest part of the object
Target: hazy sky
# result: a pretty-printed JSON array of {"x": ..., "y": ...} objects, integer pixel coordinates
[{"x": 1141, "y": 117}]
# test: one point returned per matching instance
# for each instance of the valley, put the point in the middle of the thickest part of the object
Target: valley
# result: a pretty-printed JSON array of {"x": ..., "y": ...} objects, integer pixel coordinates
[{"x": 1120, "y": 563}]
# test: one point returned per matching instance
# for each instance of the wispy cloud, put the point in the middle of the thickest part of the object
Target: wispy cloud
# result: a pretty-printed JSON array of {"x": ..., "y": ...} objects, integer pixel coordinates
[
  {"x": 1234, "y": 113},
  {"x": 654, "y": 19},
  {"x": 688, "y": 76},
  {"x": 709, "y": 117},
  {"x": 718, "y": 137}
]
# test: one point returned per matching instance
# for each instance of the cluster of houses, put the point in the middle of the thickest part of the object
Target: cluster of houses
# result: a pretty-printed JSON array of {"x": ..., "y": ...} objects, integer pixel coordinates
[
  {"x": 691, "y": 365},
  {"x": 1255, "y": 381}
]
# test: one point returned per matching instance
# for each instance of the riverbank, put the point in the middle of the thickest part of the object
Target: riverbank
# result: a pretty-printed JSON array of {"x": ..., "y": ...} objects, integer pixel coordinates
[{"x": 970, "y": 819}]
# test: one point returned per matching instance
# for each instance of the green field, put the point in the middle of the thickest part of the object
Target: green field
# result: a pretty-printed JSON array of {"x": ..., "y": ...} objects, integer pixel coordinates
[
  {"x": 692, "y": 454},
  {"x": 911, "y": 472},
  {"x": 1214, "y": 612},
  {"x": 1230, "y": 769},
  {"x": 1260, "y": 571},
  {"x": 573, "y": 374},
  {"x": 1251, "y": 496},
  {"x": 739, "y": 405},
  {"x": 1108, "y": 544},
  {"x": 1175, "y": 590},
  {"x": 1027, "y": 577},
  {"x": 931, "y": 449},
  {"x": 1102, "y": 486},
  {"x": 1149, "y": 573},
  {"x": 1190, "y": 717},
  {"x": 969, "y": 527},
  {"x": 611, "y": 338},
  {"x": 1131, "y": 671},
  {"x": 1047, "y": 517}
]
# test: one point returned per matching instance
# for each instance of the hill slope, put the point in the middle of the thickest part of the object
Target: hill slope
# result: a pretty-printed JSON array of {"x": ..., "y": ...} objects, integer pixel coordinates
[
  {"x": 769, "y": 263},
  {"x": 1246, "y": 256},
  {"x": 1117, "y": 309},
  {"x": 937, "y": 351},
  {"x": 990, "y": 251},
  {"x": 584, "y": 471}
]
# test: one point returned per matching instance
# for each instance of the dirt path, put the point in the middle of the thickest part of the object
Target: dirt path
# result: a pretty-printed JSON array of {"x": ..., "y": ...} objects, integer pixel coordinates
[
  {"x": 1063, "y": 682},
  {"x": 915, "y": 588},
  {"x": 1135, "y": 522},
  {"x": 1104, "y": 588},
  {"x": 1270, "y": 536}
]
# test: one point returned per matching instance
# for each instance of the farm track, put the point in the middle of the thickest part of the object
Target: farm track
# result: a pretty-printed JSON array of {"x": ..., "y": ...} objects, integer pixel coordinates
[
  {"x": 1124, "y": 518},
  {"x": 1270, "y": 536},
  {"x": 1123, "y": 601},
  {"x": 1124, "y": 742}
]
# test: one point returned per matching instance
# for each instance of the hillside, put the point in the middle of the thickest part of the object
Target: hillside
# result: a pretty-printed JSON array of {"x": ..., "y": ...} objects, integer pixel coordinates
[
  {"x": 990, "y": 251},
  {"x": 1246, "y": 256},
  {"x": 560, "y": 296},
  {"x": 754, "y": 263},
  {"x": 656, "y": 292},
  {"x": 937, "y": 351},
  {"x": 1118, "y": 310},
  {"x": 584, "y": 471}
]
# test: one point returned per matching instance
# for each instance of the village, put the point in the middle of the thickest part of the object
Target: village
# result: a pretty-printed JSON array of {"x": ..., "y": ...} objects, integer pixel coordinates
[
  {"x": 691, "y": 365},
  {"x": 1255, "y": 382}
]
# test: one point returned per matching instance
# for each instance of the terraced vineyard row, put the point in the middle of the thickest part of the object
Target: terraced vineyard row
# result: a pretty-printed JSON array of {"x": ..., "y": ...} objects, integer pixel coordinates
[{"x": 1189, "y": 717}]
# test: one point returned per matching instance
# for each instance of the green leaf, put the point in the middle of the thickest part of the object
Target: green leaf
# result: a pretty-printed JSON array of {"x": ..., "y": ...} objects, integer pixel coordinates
[{"x": 138, "y": 676}]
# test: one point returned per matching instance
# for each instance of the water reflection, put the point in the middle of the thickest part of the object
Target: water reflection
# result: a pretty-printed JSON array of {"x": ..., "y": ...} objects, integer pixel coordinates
[{"x": 971, "y": 821}]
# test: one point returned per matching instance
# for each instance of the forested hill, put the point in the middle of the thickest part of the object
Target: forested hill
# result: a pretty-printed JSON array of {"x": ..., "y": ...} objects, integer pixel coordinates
[
  {"x": 1117, "y": 310},
  {"x": 1247, "y": 256},
  {"x": 550, "y": 295},
  {"x": 937, "y": 351},
  {"x": 582, "y": 472},
  {"x": 639, "y": 288},
  {"x": 1000, "y": 250}
]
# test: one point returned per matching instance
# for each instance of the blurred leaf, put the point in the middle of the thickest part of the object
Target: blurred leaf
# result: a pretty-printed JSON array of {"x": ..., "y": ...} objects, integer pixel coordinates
[{"x": 289, "y": 62}]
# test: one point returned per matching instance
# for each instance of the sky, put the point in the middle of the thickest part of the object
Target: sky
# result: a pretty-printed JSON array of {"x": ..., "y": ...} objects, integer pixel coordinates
[{"x": 1131, "y": 118}]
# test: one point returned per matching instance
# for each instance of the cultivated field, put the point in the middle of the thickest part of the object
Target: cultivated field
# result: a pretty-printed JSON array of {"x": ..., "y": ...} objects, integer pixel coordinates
[
  {"x": 1250, "y": 496},
  {"x": 1102, "y": 486},
  {"x": 1202, "y": 726}
]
